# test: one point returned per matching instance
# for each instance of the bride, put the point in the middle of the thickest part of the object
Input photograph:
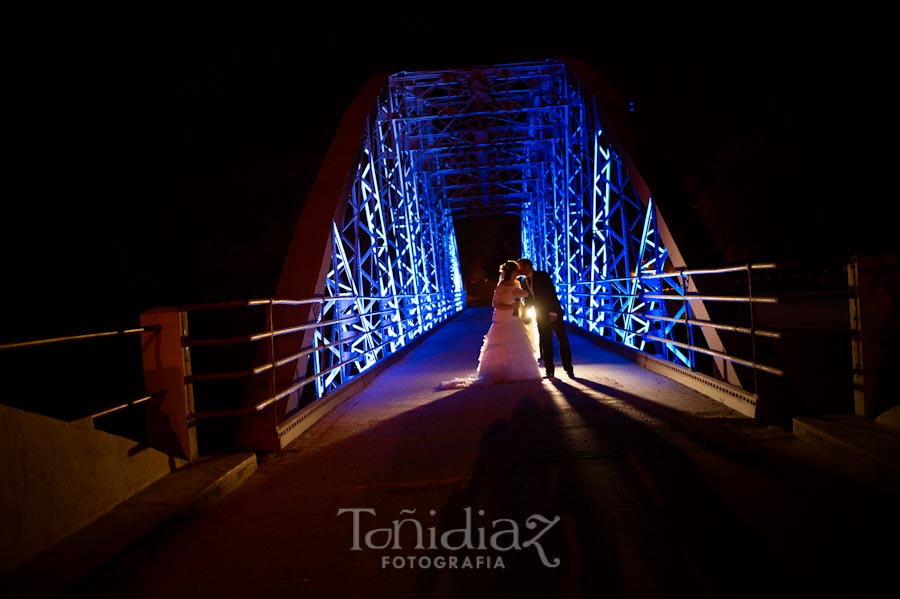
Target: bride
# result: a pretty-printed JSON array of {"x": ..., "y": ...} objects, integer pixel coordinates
[{"x": 508, "y": 352}]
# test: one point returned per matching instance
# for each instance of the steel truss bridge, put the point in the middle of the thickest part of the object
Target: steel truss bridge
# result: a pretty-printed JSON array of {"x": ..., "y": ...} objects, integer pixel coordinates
[
  {"x": 523, "y": 139},
  {"x": 430, "y": 148},
  {"x": 373, "y": 267},
  {"x": 374, "y": 263}
]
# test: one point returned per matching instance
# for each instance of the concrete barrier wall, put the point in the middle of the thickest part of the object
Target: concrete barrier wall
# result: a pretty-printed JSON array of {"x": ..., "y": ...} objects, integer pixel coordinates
[{"x": 59, "y": 476}]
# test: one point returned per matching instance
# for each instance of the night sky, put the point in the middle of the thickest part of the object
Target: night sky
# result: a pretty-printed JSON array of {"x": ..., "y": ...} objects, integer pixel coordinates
[{"x": 163, "y": 158}]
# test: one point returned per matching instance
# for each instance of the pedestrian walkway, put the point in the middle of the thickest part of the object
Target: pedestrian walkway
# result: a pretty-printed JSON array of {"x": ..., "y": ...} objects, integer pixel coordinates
[{"x": 618, "y": 483}]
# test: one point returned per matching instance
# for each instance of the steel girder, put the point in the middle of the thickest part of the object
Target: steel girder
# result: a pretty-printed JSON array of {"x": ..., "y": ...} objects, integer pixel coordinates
[{"x": 524, "y": 139}]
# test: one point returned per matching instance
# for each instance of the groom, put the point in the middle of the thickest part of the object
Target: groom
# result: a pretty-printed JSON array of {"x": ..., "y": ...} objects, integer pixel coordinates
[{"x": 548, "y": 313}]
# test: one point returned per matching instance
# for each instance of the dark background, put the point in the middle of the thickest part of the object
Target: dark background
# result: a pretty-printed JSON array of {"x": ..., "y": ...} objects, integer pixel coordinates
[{"x": 158, "y": 159}]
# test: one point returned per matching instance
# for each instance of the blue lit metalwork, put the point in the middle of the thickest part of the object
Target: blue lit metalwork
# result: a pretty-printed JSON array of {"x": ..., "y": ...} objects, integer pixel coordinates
[
  {"x": 394, "y": 271},
  {"x": 524, "y": 139}
]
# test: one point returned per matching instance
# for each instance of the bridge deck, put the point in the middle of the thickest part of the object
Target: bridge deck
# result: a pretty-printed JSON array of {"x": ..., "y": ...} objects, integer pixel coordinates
[{"x": 659, "y": 491}]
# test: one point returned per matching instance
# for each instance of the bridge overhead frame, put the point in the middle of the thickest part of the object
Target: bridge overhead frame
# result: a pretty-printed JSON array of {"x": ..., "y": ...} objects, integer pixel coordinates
[
  {"x": 420, "y": 150},
  {"x": 527, "y": 139}
]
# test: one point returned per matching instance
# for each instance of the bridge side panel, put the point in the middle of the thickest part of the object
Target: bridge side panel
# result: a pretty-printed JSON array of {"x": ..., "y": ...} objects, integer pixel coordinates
[
  {"x": 309, "y": 255},
  {"x": 620, "y": 133}
]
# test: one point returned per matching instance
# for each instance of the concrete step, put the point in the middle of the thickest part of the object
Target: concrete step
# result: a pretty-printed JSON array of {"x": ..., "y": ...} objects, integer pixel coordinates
[
  {"x": 179, "y": 495},
  {"x": 872, "y": 447}
]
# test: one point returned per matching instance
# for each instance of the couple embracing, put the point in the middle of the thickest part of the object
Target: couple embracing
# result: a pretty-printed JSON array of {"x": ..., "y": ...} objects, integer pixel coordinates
[{"x": 509, "y": 351}]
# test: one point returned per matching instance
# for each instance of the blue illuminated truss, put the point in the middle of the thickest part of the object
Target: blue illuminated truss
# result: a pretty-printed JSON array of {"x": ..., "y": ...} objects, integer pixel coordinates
[{"x": 525, "y": 139}]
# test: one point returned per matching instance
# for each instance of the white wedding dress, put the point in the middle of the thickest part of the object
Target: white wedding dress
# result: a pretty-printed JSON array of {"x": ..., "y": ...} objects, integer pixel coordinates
[{"x": 509, "y": 352}]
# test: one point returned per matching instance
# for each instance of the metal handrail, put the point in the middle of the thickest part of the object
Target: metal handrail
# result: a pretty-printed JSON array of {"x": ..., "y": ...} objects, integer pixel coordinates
[
  {"x": 425, "y": 300},
  {"x": 713, "y": 325},
  {"x": 682, "y": 293},
  {"x": 708, "y": 271},
  {"x": 129, "y": 404},
  {"x": 413, "y": 304},
  {"x": 68, "y": 338},
  {"x": 691, "y": 297},
  {"x": 724, "y": 356},
  {"x": 412, "y": 308},
  {"x": 190, "y": 342}
]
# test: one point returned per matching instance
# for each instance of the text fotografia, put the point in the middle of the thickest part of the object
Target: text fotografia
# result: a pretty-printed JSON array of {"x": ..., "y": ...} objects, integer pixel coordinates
[
  {"x": 442, "y": 562},
  {"x": 499, "y": 535}
]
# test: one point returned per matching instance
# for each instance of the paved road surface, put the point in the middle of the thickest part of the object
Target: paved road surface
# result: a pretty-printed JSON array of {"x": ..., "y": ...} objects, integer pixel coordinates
[{"x": 619, "y": 483}]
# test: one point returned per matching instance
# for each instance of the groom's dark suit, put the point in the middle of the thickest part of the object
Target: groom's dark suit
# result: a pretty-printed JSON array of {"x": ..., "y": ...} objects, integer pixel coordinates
[{"x": 542, "y": 296}]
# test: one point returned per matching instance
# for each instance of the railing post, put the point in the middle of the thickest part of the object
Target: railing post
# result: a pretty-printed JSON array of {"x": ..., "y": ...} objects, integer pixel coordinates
[
  {"x": 752, "y": 327},
  {"x": 167, "y": 364},
  {"x": 874, "y": 282},
  {"x": 689, "y": 315}
]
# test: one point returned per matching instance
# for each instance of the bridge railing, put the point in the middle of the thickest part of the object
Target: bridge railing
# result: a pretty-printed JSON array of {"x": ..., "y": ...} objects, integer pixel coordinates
[
  {"x": 732, "y": 329},
  {"x": 736, "y": 319},
  {"x": 664, "y": 314},
  {"x": 49, "y": 354},
  {"x": 215, "y": 367},
  {"x": 208, "y": 368},
  {"x": 247, "y": 366}
]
